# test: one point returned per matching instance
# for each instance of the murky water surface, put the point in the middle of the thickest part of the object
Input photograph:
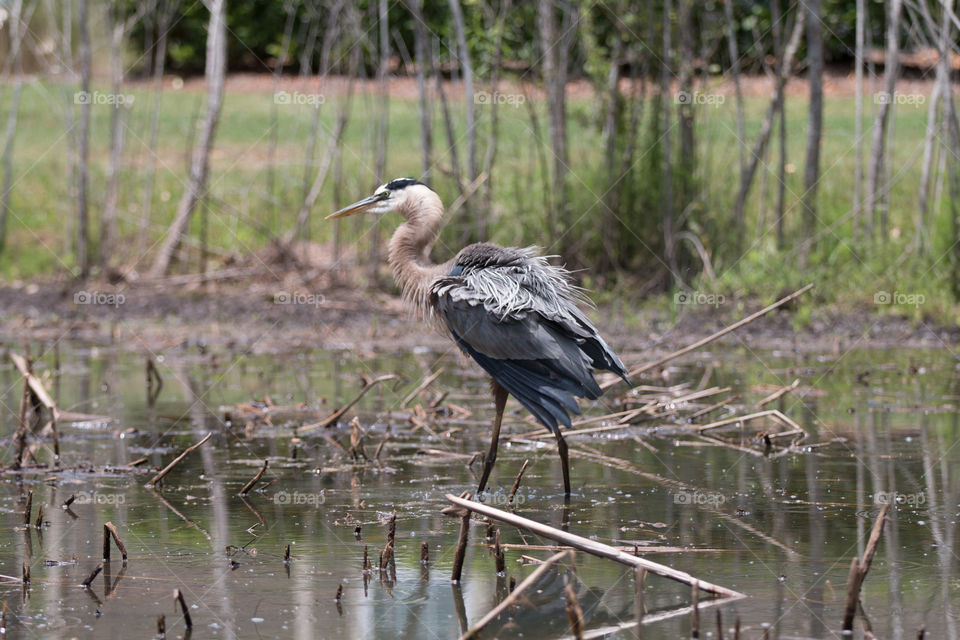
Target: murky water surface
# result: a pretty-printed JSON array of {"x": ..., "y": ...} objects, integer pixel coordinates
[{"x": 781, "y": 530}]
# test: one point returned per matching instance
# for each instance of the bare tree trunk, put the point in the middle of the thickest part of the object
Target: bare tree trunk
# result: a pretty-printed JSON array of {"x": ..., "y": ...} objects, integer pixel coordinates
[
  {"x": 336, "y": 139},
  {"x": 953, "y": 168},
  {"x": 858, "y": 126},
  {"x": 330, "y": 37},
  {"x": 422, "y": 53},
  {"x": 881, "y": 121},
  {"x": 382, "y": 80},
  {"x": 83, "y": 146},
  {"x": 942, "y": 87},
  {"x": 165, "y": 11},
  {"x": 554, "y": 68},
  {"x": 290, "y": 8},
  {"x": 216, "y": 65},
  {"x": 66, "y": 56},
  {"x": 666, "y": 203},
  {"x": 609, "y": 135},
  {"x": 811, "y": 173},
  {"x": 782, "y": 119},
  {"x": 116, "y": 26},
  {"x": 734, "y": 52},
  {"x": 776, "y": 103},
  {"x": 448, "y": 123},
  {"x": 687, "y": 160},
  {"x": 466, "y": 69},
  {"x": 16, "y": 42},
  {"x": 498, "y": 26}
]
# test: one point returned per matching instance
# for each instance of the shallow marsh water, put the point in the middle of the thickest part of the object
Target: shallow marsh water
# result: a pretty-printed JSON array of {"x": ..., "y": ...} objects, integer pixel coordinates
[{"x": 782, "y": 531}]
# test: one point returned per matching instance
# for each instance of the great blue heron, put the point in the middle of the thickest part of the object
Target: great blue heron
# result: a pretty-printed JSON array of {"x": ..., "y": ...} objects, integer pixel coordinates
[{"x": 510, "y": 309}]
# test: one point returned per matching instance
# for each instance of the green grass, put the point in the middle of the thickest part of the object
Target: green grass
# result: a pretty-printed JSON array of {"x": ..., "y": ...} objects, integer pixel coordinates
[{"x": 240, "y": 208}]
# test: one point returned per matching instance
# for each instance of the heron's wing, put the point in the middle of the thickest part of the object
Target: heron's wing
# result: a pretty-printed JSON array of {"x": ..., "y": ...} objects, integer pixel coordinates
[{"x": 516, "y": 316}]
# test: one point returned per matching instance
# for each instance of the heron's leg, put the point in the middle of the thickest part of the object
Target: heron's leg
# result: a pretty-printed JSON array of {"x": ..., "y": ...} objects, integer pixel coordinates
[
  {"x": 500, "y": 400},
  {"x": 564, "y": 461}
]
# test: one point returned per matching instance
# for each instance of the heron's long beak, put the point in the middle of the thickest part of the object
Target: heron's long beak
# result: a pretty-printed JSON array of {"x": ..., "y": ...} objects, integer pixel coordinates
[{"x": 356, "y": 207}]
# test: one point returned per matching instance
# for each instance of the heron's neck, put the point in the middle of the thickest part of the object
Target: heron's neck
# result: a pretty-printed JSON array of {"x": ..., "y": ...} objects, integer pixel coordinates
[{"x": 409, "y": 253}]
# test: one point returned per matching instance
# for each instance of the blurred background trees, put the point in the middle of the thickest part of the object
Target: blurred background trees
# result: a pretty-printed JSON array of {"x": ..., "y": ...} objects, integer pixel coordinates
[{"x": 663, "y": 145}]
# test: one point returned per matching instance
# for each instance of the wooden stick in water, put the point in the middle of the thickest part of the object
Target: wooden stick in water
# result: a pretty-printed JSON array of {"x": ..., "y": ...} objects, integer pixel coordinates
[
  {"x": 516, "y": 482},
  {"x": 255, "y": 479},
  {"x": 859, "y": 569},
  {"x": 461, "y": 550},
  {"x": 514, "y": 595},
  {"x": 719, "y": 334},
  {"x": 160, "y": 476},
  {"x": 590, "y": 546},
  {"x": 96, "y": 571}
]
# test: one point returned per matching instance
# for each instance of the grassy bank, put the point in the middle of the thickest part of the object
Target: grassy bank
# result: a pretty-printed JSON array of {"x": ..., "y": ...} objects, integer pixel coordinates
[{"x": 242, "y": 214}]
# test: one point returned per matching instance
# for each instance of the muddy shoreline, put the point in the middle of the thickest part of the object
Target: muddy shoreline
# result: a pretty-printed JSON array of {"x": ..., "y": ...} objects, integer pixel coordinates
[{"x": 268, "y": 318}]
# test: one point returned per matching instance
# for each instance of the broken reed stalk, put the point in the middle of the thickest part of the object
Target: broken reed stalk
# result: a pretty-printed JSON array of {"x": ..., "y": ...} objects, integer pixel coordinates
[
  {"x": 424, "y": 553},
  {"x": 514, "y": 595},
  {"x": 160, "y": 476},
  {"x": 498, "y": 556},
  {"x": 859, "y": 569},
  {"x": 326, "y": 422},
  {"x": 461, "y": 551},
  {"x": 695, "y": 612},
  {"x": 255, "y": 479},
  {"x": 286, "y": 555},
  {"x": 574, "y": 611},
  {"x": 39, "y": 521},
  {"x": 178, "y": 597},
  {"x": 33, "y": 385},
  {"x": 162, "y": 625},
  {"x": 420, "y": 387},
  {"x": 711, "y": 338},
  {"x": 639, "y": 581},
  {"x": 25, "y": 573},
  {"x": 28, "y": 508},
  {"x": 590, "y": 546},
  {"x": 779, "y": 393},
  {"x": 93, "y": 575},
  {"x": 516, "y": 482},
  {"x": 339, "y": 596},
  {"x": 367, "y": 567},
  {"x": 69, "y": 501}
]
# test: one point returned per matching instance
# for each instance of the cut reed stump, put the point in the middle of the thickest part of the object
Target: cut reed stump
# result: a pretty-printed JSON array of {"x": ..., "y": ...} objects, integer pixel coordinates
[{"x": 590, "y": 546}]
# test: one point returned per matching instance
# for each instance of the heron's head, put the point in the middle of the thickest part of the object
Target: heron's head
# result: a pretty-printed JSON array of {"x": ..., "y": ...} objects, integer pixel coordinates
[{"x": 403, "y": 195}]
